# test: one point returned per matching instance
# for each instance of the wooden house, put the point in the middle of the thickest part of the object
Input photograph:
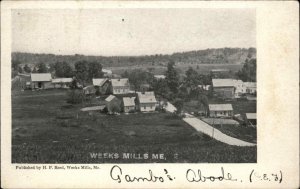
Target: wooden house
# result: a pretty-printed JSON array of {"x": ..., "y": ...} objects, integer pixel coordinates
[
  {"x": 220, "y": 110},
  {"x": 146, "y": 101}
]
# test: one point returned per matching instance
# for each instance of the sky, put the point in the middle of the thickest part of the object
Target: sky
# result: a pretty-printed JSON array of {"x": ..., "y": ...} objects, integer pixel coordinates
[{"x": 126, "y": 32}]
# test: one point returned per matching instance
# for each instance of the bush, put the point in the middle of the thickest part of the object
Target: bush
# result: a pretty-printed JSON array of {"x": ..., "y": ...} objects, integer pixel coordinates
[{"x": 75, "y": 96}]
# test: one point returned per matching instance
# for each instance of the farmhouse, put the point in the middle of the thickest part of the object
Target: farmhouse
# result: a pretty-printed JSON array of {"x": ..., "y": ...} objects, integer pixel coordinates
[
  {"x": 146, "y": 101},
  {"x": 224, "y": 88},
  {"x": 120, "y": 86},
  {"x": 128, "y": 104},
  {"x": 40, "y": 80},
  {"x": 251, "y": 119},
  {"x": 220, "y": 110},
  {"x": 113, "y": 104},
  {"x": 250, "y": 87},
  {"x": 102, "y": 85},
  {"x": 62, "y": 82}
]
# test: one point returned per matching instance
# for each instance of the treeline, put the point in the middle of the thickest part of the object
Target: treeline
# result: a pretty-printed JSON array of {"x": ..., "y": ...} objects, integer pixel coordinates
[{"x": 208, "y": 56}]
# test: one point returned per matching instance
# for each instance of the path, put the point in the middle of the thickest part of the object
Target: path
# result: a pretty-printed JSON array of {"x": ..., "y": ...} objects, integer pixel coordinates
[{"x": 203, "y": 127}]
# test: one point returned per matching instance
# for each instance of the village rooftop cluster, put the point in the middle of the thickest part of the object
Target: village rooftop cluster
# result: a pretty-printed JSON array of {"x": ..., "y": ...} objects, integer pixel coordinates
[{"x": 129, "y": 101}]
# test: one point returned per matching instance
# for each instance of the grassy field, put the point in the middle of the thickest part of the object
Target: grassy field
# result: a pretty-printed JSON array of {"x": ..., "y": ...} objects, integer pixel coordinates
[
  {"x": 181, "y": 68},
  {"x": 45, "y": 129}
]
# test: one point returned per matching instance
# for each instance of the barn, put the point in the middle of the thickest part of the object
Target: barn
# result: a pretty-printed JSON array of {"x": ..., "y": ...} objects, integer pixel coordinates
[
  {"x": 41, "y": 80},
  {"x": 102, "y": 85},
  {"x": 224, "y": 88}
]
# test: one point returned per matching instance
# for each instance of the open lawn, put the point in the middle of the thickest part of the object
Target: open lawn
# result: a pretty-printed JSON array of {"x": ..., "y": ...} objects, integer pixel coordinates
[{"x": 45, "y": 129}]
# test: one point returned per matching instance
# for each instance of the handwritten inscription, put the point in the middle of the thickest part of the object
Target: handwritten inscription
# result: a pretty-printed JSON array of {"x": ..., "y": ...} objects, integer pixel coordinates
[
  {"x": 116, "y": 174},
  {"x": 198, "y": 176},
  {"x": 257, "y": 176}
]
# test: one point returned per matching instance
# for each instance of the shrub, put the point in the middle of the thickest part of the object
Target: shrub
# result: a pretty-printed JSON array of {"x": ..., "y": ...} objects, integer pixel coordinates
[{"x": 75, "y": 96}]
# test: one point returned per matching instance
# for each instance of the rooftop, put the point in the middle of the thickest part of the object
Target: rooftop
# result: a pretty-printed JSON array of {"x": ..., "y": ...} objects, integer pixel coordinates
[
  {"x": 99, "y": 81},
  {"x": 41, "y": 77},
  {"x": 129, "y": 101},
  {"x": 251, "y": 115},
  {"x": 220, "y": 107},
  {"x": 120, "y": 82},
  {"x": 62, "y": 80},
  {"x": 223, "y": 82},
  {"x": 147, "y": 97},
  {"x": 110, "y": 98}
]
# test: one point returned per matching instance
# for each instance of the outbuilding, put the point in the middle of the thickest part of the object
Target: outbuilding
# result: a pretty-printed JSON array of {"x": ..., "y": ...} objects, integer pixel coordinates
[
  {"x": 40, "y": 80},
  {"x": 113, "y": 104},
  {"x": 251, "y": 119},
  {"x": 220, "y": 110}
]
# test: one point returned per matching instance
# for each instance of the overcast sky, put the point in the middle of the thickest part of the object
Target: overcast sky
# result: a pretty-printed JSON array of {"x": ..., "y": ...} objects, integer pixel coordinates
[{"x": 131, "y": 31}]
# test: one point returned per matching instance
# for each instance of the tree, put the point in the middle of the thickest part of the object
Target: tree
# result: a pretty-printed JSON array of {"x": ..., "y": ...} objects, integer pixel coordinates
[
  {"x": 42, "y": 68},
  {"x": 178, "y": 103},
  {"x": 137, "y": 77},
  {"x": 94, "y": 70},
  {"x": 75, "y": 96},
  {"x": 34, "y": 70},
  {"x": 27, "y": 69},
  {"x": 81, "y": 70},
  {"x": 20, "y": 70},
  {"x": 15, "y": 64},
  {"x": 63, "y": 69},
  {"x": 248, "y": 72},
  {"x": 172, "y": 77},
  {"x": 203, "y": 102}
]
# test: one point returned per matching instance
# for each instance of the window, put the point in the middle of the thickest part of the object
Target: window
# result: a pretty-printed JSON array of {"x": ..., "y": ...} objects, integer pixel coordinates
[{"x": 144, "y": 107}]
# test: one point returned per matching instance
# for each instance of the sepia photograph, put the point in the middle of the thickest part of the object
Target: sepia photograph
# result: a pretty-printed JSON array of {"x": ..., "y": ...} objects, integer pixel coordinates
[{"x": 134, "y": 86}]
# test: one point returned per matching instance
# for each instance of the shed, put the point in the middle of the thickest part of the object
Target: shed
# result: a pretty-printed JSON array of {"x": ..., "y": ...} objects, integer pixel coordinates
[
  {"x": 113, "y": 104},
  {"x": 251, "y": 119},
  {"x": 220, "y": 110}
]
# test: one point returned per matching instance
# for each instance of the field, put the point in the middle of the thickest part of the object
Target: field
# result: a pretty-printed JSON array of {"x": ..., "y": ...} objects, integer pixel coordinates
[
  {"x": 181, "y": 68},
  {"x": 45, "y": 129}
]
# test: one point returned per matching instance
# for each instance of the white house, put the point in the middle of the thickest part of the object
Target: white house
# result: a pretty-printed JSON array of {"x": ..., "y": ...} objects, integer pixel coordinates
[
  {"x": 40, "y": 80},
  {"x": 120, "y": 86},
  {"x": 128, "y": 104},
  {"x": 146, "y": 101}
]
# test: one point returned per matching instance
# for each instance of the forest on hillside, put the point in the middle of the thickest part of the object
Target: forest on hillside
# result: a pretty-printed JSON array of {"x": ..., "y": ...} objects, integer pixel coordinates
[{"x": 208, "y": 56}]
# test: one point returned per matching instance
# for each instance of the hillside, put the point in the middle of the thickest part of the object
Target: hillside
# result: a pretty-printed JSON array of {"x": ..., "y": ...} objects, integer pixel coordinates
[{"x": 208, "y": 56}]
